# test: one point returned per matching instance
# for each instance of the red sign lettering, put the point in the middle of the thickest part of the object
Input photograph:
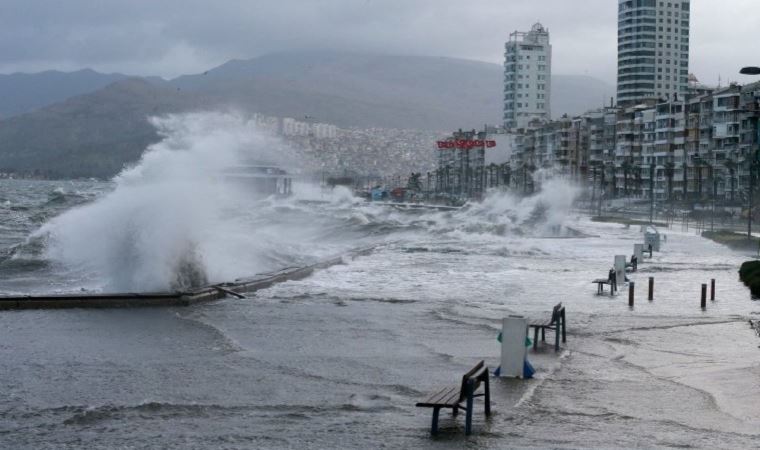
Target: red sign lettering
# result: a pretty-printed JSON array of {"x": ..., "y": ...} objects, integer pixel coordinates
[{"x": 463, "y": 144}]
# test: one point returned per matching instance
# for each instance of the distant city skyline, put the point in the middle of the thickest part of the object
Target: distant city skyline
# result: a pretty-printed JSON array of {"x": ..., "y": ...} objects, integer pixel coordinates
[{"x": 175, "y": 37}]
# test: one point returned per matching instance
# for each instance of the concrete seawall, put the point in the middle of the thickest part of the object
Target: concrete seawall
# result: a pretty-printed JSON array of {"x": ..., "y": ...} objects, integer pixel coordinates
[{"x": 179, "y": 298}]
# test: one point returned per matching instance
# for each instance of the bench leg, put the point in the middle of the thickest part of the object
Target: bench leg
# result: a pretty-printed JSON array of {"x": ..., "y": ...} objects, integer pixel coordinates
[
  {"x": 543, "y": 334},
  {"x": 535, "y": 338},
  {"x": 455, "y": 411},
  {"x": 564, "y": 327},
  {"x": 487, "y": 397},
  {"x": 556, "y": 338},
  {"x": 434, "y": 427},
  {"x": 468, "y": 421}
]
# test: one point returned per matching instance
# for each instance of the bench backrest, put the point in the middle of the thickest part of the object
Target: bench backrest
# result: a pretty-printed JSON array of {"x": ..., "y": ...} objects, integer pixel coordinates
[
  {"x": 557, "y": 312},
  {"x": 477, "y": 374}
]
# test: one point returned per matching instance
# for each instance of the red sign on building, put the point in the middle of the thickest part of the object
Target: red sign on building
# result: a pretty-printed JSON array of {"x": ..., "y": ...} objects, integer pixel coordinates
[{"x": 465, "y": 144}]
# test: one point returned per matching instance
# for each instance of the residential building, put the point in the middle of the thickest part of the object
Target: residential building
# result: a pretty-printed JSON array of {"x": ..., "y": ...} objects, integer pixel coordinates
[
  {"x": 698, "y": 149},
  {"x": 653, "y": 50},
  {"x": 527, "y": 77}
]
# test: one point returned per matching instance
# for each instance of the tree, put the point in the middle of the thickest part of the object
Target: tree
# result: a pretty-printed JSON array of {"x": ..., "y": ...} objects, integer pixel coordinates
[
  {"x": 627, "y": 166},
  {"x": 731, "y": 166},
  {"x": 670, "y": 170}
]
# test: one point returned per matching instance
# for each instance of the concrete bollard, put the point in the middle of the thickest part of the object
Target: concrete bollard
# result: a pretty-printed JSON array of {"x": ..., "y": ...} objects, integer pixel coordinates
[
  {"x": 651, "y": 288},
  {"x": 514, "y": 330},
  {"x": 620, "y": 269},
  {"x": 712, "y": 289},
  {"x": 638, "y": 250},
  {"x": 630, "y": 293},
  {"x": 704, "y": 296}
]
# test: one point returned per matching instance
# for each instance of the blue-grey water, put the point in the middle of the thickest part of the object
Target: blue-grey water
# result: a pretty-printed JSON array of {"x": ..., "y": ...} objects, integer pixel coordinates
[{"x": 338, "y": 360}]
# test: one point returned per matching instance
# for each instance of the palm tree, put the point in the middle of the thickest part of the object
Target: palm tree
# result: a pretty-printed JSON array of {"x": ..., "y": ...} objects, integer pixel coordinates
[
  {"x": 670, "y": 170},
  {"x": 731, "y": 166},
  {"x": 507, "y": 172},
  {"x": 626, "y": 169},
  {"x": 414, "y": 183}
]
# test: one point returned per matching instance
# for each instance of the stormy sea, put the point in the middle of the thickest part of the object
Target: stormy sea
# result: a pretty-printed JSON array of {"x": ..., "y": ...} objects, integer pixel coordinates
[{"x": 339, "y": 359}]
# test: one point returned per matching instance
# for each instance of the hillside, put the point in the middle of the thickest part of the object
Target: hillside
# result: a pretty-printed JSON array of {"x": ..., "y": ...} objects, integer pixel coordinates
[
  {"x": 353, "y": 89},
  {"x": 91, "y": 135},
  {"x": 95, "y": 134},
  {"x": 21, "y": 93}
]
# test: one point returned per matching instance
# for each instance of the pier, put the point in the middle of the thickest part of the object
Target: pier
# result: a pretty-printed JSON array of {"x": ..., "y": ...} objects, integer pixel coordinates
[{"x": 177, "y": 298}]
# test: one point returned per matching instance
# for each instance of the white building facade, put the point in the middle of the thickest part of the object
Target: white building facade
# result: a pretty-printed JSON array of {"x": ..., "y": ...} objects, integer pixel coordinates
[
  {"x": 527, "y": 77},
  {"x": 653, "y": 50}
]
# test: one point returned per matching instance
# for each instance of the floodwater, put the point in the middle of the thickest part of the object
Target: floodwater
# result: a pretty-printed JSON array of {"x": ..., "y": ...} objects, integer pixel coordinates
[{"x": 339, "y": 359}]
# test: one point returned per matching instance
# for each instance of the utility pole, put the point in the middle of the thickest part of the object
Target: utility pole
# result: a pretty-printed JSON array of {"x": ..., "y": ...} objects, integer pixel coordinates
[
  {"x": 601, "y": 193},
  {"x": 593, "y": 188},
  {"x": 651, "y": 193},
  {"x": 715, "y": 192},
  {"x": 749, "y": 208}
]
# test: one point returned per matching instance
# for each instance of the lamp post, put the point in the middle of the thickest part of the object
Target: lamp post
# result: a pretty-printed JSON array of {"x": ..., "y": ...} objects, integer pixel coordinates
[
  {"x": 751, "y": 70},
  {"x": 651, "y": 192},
  {"x": 752, "y": 168}
]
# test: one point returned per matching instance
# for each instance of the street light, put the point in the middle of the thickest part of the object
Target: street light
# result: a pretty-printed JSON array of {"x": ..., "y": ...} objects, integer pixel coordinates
[{"x": 751, "y": 70}]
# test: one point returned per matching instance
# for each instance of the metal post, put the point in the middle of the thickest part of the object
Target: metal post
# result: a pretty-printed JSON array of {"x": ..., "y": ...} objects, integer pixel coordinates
[
  {"x": 704, "y": 297},
  {"x": 651, "y": 193},
  {"x": 593, "y": 188},
  {"x": 630, "y": 293},
  {"x": 715, "y": 192},
  {"x": 651, "y": 288},
  {"x": 749, "y": 215},
  {"x": 712, "y": 289}
]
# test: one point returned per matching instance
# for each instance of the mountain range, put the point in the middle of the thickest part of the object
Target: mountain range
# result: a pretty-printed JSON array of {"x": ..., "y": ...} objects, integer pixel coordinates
[{"x": 90, "y": 124}]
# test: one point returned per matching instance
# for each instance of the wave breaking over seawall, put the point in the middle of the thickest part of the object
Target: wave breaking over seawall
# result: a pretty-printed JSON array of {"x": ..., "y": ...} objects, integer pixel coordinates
[{"x": 172, "y": 221}]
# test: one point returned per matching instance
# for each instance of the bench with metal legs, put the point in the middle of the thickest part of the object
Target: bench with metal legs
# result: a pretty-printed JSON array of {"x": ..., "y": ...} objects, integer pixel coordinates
[
  {"x": 452, "y": 397},
  {"x": 556, "y": 321}
]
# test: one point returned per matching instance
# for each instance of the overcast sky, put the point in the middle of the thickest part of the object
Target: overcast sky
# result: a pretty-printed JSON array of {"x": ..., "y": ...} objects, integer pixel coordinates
[{"x": 172, "y": 37}]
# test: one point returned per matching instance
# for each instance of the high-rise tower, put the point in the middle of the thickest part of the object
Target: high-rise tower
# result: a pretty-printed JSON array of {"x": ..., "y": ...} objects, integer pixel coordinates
[
  {"x": 527, "y": 77},
  {"x": 653, "y": 50}
]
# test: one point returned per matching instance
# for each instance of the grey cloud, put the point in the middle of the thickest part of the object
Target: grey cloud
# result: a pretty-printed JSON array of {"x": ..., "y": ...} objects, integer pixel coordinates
[{"x": 170, "y": 37}]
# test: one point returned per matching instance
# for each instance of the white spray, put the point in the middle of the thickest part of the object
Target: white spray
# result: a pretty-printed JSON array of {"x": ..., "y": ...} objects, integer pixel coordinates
[{"x": 171, "y": 221}]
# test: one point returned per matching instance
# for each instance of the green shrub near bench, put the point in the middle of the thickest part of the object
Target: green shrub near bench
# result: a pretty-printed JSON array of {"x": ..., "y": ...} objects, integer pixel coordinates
[{"x": 749, "y": 274}]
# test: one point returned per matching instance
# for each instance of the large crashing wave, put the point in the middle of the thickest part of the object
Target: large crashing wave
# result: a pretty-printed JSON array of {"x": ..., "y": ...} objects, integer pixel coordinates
[{"x": 171, "y": 222}]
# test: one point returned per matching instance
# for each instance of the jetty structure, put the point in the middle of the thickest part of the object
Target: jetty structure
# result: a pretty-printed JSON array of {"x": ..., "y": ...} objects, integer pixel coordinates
[
  {"x": 237, "y": 288},
  {"x": 264, "y": 178}
]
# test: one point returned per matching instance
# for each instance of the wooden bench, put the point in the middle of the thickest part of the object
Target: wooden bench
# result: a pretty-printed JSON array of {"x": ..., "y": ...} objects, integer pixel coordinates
[
  {"x": 555, "y": 321},
  {"x": 453, "y": 397}
]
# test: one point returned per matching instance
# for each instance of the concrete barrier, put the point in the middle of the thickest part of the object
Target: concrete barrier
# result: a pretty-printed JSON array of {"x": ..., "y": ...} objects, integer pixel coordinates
[
  {"x": 514, "y": 330},
  {"x": 620, "y": 269},
  {"x": 638, "y": 252}
]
